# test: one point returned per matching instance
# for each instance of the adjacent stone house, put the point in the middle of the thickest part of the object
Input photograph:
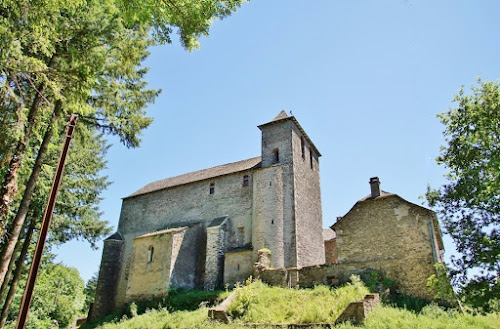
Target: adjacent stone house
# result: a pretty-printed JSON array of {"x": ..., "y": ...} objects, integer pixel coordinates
[
  {"x": 203, "y": 229},
  {"x": 385, "y": 232}
]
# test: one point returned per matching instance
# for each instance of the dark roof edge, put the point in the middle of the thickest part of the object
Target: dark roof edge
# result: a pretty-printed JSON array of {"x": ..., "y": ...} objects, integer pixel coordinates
[
  {"x": 298, "y": 126},
  {"x": 114, "y": 236}
]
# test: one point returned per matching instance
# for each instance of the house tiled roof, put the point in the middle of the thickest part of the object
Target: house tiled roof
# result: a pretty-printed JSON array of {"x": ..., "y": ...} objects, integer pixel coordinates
[
  {"x": 382, "y": 194},
  {"x": 199, "y": 175},
  {"x": 329, "y": 234}
]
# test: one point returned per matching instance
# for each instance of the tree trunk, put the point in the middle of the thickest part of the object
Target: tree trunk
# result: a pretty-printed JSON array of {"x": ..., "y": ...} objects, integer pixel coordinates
[
  {"x": 17, "y": 274},
  {"x": 9, "y": 186},
  {"x": 20, "y": 217},
  {"x": 11, "y": 266}
]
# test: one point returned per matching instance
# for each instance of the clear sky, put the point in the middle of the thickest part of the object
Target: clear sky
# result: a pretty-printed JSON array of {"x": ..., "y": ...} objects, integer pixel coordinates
[{"x": 365, "y": 79}]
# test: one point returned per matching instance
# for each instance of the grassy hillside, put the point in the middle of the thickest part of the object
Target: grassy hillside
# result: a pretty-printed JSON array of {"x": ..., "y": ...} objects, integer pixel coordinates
[{"x": 259, "y": 303}]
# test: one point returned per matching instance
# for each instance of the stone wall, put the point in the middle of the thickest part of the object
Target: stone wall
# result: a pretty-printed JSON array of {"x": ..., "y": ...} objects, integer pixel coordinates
[
  {"x": 338, "y": 274},
  {"x": 268, "y": 217},
  {"x": 307, "y": 202},
  {"x": 238, "y": 266},
  {"x": 331, "y": 256},
  {"x": 188, "y": 268},
  {"x": 393, "y": 235},
  {"x": 112, "y": 254},
  {"x": 151, "y": 264},
  {"x": 214, "y": 260}
]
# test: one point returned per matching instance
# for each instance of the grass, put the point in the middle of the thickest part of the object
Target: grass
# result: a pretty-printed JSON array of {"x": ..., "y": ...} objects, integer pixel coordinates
[{"x": 259, "y": 303}]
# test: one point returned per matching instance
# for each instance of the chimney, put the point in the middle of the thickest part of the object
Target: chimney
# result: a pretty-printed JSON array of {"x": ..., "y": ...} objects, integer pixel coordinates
[{"x": 375, "y": 186}]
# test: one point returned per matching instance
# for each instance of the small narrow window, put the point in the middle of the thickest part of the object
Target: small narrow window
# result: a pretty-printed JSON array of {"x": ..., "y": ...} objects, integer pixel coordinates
[
  {"x": 246, "y": 180},
  {"x": 276, "y": 155},
  {"x": 238, "y": 267},
  {"x": 272, "y": 221},
  {"x": 212, "y": 188},
  {"x": 311, "y": 159},
  {"x": 302, "y": 147},
  {"x": 151, "y": 249},
  {"x": 241, "y": 235}
]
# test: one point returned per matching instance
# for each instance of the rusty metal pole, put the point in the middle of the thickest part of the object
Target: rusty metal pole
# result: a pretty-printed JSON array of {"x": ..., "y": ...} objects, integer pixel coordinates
[{"x": 47, "y": 216}]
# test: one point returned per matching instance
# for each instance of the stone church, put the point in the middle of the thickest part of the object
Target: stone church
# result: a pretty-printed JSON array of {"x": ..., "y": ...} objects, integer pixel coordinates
[{"x": 204, "y": 229}]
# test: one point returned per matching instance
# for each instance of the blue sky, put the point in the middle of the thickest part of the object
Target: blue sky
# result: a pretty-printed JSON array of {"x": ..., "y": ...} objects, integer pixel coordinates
[{"x": 365, "y": 79}]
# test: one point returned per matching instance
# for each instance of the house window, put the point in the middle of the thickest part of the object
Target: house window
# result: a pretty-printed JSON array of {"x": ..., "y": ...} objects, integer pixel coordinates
[
  {"x": 246, "y": 180},
  {"x": 212, "y": 188},
  {"x": 302, "y": 147},
  {"x": 311, "y": 159},
  {"x": 151, "y": 249},
  {"x": 276, "y": 155}
]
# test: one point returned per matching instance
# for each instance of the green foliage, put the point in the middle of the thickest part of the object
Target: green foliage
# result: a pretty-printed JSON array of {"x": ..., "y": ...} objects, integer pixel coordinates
[
  {"x": 192, "y": 18},
  {"x": 431, "y": 316},
  {"x": 190, "y": 300},
  {"x": 439, "y": 284},
  {"x": 265, "y": 251},
  {"x": 377, "y": 281},
  {"x": 58, "y": 296},
  {"x": 469, "y": 203},
  {"x": 177, "y": 300},
  {"x": 413, "y": 304},
  {"x": 481, "y": 295},
  {"x": 89, "y": 292}
]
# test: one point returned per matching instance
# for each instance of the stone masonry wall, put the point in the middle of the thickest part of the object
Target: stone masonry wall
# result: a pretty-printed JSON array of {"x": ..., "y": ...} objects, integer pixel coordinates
[
  {"x": 238, "y": 266},
  {"x": 214, "y": 258},
  {"x": 267, "y": 225},
  {"x": 331, "y": 252},
  {"x": 391, "y": 234},
  {"x": 336, "y": 274},
  {"x": 307, "y": 203},
  {"x": 149, "y": 279},
  {"x": 105, "y": 302},
  {"x": 187, "y": 269}
]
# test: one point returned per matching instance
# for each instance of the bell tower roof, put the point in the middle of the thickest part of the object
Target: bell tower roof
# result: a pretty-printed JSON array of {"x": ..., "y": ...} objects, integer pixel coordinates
[{"x": 281, "y": 115}]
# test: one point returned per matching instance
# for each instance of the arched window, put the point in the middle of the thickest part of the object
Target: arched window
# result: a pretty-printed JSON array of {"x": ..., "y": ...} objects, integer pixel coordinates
[{"x": 151, "y": 249}]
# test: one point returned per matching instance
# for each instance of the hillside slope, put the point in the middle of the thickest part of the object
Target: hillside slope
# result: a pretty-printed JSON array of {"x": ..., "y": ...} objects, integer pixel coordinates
[{"x": 259, "y": 303}]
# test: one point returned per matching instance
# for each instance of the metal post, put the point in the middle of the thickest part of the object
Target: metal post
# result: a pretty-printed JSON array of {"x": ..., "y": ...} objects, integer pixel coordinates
[{"x": 47, "y": 216}]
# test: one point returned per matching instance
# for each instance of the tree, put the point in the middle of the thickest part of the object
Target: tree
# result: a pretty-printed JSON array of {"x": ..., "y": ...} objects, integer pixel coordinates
[
  {"x": 58, "y": 294},
  {"x": 469, "y": 203},
  {"x": 89, "y": 291},
  {"x": 82, "y": 57},
  {"x": 35, "y": 39}
]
